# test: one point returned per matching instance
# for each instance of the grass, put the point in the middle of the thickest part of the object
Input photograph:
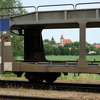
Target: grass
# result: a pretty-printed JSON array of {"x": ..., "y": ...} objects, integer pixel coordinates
[
  {"x": 70, "y": 57},
  {"x": 71, "y": 76},
  {"x": 64, "y": 58},
  {"x": 8, "y": 74},
  {"x": 61, "y": 58}
]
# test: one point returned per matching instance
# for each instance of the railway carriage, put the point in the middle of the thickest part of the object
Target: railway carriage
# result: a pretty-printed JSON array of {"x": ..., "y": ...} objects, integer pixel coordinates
[{"x": 30, "y": 25}]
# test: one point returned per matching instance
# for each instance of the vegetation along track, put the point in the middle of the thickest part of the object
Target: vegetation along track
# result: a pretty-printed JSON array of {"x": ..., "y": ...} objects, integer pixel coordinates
[{"x": 55, "y": 86}]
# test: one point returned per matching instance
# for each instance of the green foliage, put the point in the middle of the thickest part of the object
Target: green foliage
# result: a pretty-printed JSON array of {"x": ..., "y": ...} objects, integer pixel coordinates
[
  {"x": 61, "y": 50},
  {"x": 17, "y": 45},
  {"x": 8, "y": 74},
  {"x": 72, "y": 76},
  {"x": 53, "y": 42},
  {"x": 68, "y": 45},
  {"x": 19, "y": 57},
  {"x": 98, "y": 51},
  {"x": 71, "y": 48},
  {"x": 76, "y": 44},
  {"x": 87, "y": 44},
  {"x": 67, "y": 51},
  {"x": 11, "y": 3},
  {"x": 92, "y": 48},
  {"x": 87, "y": 49},
  {"x": 17, "y": 42},
  {"x": 47, "y": 41},
  {"x": 56, "y": 51},
  {"x": 48, "y": 49}
]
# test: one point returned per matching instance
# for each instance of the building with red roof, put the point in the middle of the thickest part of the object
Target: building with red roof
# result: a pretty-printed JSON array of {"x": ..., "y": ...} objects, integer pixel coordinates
[
  {"x": 64, "y": 41},
  {"x": 97, "y": 46}
]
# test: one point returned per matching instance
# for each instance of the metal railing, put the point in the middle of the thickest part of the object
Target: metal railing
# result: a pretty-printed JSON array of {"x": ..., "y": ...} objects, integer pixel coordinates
[
  {"x": 41, "y": 6},
  {"x": 55, "y": 5},
  {"x": 19, "y": 7},
  {"x": 74, "y": 7},
  {"x": 89, "y": 3}
]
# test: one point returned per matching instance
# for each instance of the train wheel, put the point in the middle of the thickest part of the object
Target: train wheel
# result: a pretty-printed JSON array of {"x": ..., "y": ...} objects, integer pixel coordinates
[
  {"x": 51, "y": 77},
  {"x": 34, "y": 78},
  {"x": 50, "y": 80}
]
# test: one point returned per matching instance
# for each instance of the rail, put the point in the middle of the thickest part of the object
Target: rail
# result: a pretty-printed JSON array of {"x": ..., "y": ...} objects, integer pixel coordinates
[
  {"x": 55, "y": 5},
  {"x": 82, "y": 87},
  {"x": 86, "y": 3},
  {"x": 11, "y": 97},
  {"x": 19, "y": 7},
  {"x": 52, "y": 6}
]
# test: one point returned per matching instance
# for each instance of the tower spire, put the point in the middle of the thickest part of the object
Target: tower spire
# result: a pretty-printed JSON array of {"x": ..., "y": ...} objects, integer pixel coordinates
[
  {"x": 62, "y": 36},
  {"x": 61, "y": 39},
  {"x": 52, "y": 39}
]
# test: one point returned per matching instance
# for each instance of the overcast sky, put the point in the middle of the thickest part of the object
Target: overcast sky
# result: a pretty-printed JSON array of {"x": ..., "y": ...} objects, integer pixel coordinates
[{"x": 93, "y": 35}]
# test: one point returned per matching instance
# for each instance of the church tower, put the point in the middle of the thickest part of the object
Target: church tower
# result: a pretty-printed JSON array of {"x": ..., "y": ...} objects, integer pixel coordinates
[
  {"x": 52, "y": 39},
  {"x": 61, "y": 39}
]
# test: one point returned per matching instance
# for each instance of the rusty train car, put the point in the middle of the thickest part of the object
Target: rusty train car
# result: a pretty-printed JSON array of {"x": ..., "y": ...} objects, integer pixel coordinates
[{"x": 35, "y": 66}]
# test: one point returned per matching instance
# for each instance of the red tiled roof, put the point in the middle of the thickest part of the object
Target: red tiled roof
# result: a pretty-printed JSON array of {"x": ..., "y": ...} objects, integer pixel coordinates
[
  {"x": 67, "y": 41},
  {"x": 97, "y": 46}
]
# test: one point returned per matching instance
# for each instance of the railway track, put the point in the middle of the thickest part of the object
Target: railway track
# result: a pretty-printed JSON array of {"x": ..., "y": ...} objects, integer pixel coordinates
[
  {"x": 95, "y": 88},
  {"x": 9, "y": 97}
]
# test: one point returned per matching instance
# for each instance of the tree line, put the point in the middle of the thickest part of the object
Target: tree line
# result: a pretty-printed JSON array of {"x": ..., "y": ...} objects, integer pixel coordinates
[{"x": 67, "y": 49}]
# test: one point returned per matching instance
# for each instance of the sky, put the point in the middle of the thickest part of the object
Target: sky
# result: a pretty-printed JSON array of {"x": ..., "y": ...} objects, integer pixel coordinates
[{"x": 92, "y": 34}]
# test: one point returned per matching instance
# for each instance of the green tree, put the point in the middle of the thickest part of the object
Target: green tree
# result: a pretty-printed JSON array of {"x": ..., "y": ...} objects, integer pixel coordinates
[
  {"x": 76, "y": 44},
  {"x": 61, "y": 50},
  {"x": 48, "y": 49},
  {"x": 11, "y": 3},
  {"x": 73, "y": 51},
  {"x": 56, "y": 51},
  {"x": 87, "y": 44},
  {"x": 46, "y": 41},
  {"x": 92, "y": 48},
  {"x": 68, "y": 45},
  {"x": 87, "y": 49},
  {"x": 66, "y": 51},
  {"x": 18, "y": 45},
  {"x": 52, "y": 42},
  {"x": 98, "y": 51}
]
